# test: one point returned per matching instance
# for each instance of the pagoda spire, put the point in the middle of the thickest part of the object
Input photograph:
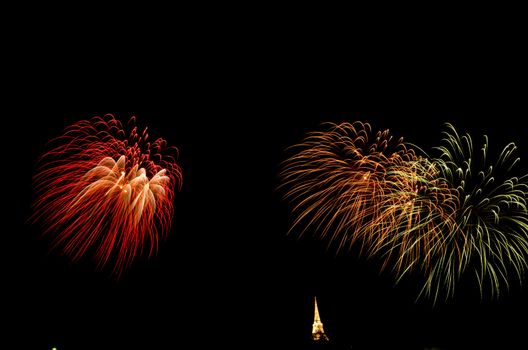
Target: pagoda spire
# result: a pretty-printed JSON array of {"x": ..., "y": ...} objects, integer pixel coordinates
[{"x": 318, "y": 334}]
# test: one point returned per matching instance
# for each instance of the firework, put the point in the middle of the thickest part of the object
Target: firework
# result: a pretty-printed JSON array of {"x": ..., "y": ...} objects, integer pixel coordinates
[
  {"x": 349, "y": 184},
  {"x": 335, "y": 178},
  {"x": 416, "y": 209},
  {"x": 490, "y": 238},
  {"x": 442, "y": 217},
  {"x": 106, "y": 192}
]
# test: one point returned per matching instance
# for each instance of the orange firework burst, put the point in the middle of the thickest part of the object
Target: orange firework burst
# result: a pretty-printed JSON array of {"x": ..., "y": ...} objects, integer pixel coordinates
[
  {"x": 106, "y": 192},
  {"x": 349, "y": 184}
]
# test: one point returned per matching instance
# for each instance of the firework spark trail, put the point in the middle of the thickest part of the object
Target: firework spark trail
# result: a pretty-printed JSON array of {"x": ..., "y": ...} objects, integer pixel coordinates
[
  {"x": 490, "y": 239},
  {"x": 414, "y": 212},
  {"x": 104, "y": 192}
]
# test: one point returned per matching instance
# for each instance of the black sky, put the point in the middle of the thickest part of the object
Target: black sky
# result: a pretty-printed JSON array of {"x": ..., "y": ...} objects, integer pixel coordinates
[{"x": 228, "y": 274}]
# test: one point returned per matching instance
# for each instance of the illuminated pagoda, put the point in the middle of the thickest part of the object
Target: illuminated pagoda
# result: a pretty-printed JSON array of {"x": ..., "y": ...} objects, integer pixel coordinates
[{"x": 318, "y": 334}]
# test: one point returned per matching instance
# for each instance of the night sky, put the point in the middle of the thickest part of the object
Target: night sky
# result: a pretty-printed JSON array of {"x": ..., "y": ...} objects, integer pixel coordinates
[{"x": 228, "y": 273}]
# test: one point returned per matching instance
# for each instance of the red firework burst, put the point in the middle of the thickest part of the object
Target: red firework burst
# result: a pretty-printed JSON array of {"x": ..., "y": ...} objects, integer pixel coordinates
[{"x": 106, "y": 192}]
